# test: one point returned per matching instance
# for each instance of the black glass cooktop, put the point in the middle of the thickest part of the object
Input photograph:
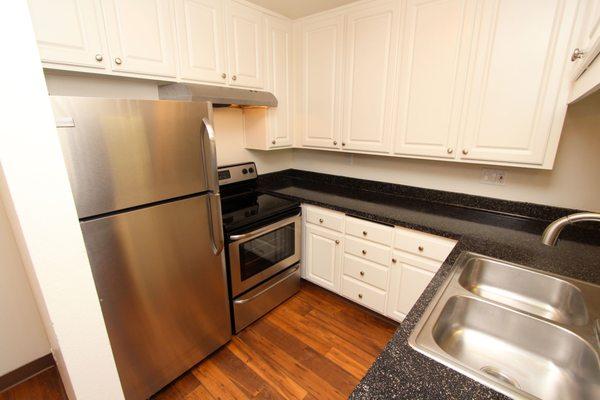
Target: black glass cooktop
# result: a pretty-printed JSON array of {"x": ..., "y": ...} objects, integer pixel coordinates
[{"x": 247, "y": 209}]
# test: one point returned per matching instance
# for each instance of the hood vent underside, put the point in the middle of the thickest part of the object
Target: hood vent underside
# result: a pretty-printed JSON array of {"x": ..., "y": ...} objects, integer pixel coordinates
[{"x": 218, "y": 95}]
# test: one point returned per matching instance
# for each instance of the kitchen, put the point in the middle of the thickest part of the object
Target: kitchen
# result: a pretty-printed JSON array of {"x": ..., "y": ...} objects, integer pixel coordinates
[{"x": 369, "y": 186}]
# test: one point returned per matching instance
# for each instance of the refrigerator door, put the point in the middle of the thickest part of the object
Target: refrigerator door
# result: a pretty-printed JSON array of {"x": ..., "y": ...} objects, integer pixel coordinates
[
  {"x": 126, "y": 153},
  {"x": 162, "y": 290}
]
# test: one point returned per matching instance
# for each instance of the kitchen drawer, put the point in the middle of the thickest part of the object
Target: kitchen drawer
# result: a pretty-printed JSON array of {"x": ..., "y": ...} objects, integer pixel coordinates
[
  {"x": 372, "y": 231},
  {"x": 364, "y": 294},
  {"x": 368, "y": 250},
  {"x": 366, "y": 271},
  {"x": 325, "y": 218},
  {"x": 423, "y": 244}
]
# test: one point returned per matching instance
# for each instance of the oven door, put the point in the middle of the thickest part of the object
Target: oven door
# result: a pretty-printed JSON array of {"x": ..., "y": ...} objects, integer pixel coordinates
[{"x": 256, "y": 256}]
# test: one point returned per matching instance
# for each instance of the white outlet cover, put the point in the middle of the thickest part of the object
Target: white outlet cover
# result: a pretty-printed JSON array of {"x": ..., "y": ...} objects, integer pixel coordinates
[{"x": 493, "y": 176}]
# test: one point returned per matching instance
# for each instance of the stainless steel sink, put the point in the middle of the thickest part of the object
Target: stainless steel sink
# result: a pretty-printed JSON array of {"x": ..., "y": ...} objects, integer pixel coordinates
[{"x": 523, "y": 333}]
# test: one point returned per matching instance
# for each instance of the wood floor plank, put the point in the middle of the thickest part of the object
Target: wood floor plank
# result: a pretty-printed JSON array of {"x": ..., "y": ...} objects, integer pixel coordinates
[{"x": 316, "y": 345}]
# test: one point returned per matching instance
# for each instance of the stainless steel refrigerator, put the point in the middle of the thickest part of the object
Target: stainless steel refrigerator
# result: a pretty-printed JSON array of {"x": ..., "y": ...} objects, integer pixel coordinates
[{"x": 144, "y": 180}]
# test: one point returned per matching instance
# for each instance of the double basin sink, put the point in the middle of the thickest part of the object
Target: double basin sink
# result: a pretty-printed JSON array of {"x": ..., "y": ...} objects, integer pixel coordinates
[{"x": 524, "y": 333}]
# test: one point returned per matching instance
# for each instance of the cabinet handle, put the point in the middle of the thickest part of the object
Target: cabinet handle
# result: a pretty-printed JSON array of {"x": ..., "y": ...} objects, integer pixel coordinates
[
  {"x": 320, "y": 220},
  {"x": 334, "y": 143},
  {"x": 421, "y": 248},
  {"x": 118, "y": 61},
  {"x": 273, "y": 142},
  {"x": 343, "y": 144},
  {"x": 234, "y": 78},
  {"x": 360, "y": 296},
  {"x": 394, "y": 260},
  {"x": 364, "y": 252},
  {"x": 364, "y": 233},
  {"x": 99, "y": 57},
  {"x": 465, "y": 151},
  {"x": 450, "y": 150},
  {"x": 337, "y": 242},
  {"x": 577, "y": 54},
  {"x": 362, "y": 273},
  {"x": 223, "y": 75}
]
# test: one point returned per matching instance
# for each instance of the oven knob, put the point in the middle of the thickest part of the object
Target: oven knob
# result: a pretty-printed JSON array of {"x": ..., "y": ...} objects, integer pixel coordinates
[
  {"x": 251, "y": 170},
  {"x": 244, "y": 171}
]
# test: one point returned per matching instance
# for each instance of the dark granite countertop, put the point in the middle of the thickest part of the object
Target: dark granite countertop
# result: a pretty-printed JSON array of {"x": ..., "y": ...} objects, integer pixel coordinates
[{"x": 481, "y": 225}]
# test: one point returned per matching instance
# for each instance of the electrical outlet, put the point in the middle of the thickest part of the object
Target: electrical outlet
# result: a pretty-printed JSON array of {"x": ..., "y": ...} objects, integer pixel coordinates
[{"x": 493, "y": 176}]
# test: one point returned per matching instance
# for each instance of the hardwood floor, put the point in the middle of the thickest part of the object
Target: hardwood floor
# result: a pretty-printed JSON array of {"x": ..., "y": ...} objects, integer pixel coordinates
[{"x": 316, "y": 345}]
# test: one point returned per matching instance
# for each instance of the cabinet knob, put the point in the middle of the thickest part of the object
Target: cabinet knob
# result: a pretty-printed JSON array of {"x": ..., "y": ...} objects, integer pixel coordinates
[
  {"x": 118, "y": 61},
  {"x": 334, "y": 143},
  {"x": 364, "y": 233},
  {"x": 234, "y": 78},
  {"x": 362, "y": 273},
  {"x": 223, "y": 75},
  {"x": 343, "y": 144},
  {"x": 421, "y": 248},
  {"x": 320, "y": 220},
  {"x": 394, "y": 260},
  {"x": 465, "y": 151},
  {"x": 450, "y": 150},
  {"x": 577, "y": 54},
  {"x": 364, "y": 252},
  {"x": 337, "y": 242},
  {"x": 99, "y": 57},
  {"x": 272, "y": 142},
  {"x": 360, "y": 296}
]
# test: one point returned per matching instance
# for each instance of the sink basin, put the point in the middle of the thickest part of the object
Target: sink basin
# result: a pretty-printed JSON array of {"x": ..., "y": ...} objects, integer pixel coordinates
[
  {"x": 526, "y": 334},
  {"x": 536, "y": 293}
]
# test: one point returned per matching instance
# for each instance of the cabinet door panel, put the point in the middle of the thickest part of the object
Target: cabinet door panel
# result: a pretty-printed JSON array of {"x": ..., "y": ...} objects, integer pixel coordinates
[
  {"x": 518, "y": 73},
  {"x": 432, "y": 76},
  {"x": 320, "y": 82},
  {"x": 69, "y": 32},
  {"x": 201, "y": 35},
  {"x": 279, "y": 53},
  {"x": 323, "y": 257},
  {"x": 140, "y": 36},
  {"x": 246, "y": 46},
  {"x": 371, "y": 42},
  {"x": 407, "y": 283}
]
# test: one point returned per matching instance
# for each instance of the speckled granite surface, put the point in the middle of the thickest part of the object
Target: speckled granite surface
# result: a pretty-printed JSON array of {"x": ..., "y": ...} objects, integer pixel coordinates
[{"x": 508, "y": 233}]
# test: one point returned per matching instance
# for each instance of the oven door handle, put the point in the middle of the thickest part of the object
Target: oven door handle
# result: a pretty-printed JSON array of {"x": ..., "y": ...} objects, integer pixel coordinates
[
  {"x": 271, "y": 286},
  {"x": 266, "y": 229}
]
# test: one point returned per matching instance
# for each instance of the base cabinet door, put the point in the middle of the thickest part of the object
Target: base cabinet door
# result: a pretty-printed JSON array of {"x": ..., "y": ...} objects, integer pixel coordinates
[
  {"x": 407, "y": 283},
  {"x": 201, "y": 36},
  {"x": 141, "y": 36},
  {"x": 323, "y": 257},
  {"x": 69, "y": 32}
]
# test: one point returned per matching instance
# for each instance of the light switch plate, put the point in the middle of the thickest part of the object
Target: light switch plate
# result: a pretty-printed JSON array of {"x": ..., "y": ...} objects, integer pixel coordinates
[{"x": 493, "y": 176}]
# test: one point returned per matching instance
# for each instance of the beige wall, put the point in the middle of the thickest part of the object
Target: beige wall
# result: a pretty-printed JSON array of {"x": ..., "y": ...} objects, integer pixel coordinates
[
  {"x": 22, "y": 335},
  {"x": 574, "y": 182}
]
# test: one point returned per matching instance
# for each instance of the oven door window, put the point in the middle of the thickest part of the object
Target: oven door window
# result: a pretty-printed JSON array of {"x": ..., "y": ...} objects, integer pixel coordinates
[{"x": 261, "y": 253}]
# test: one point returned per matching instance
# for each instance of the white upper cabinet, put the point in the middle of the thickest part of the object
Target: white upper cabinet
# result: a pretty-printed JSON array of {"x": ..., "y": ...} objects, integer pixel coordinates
[
  {"x": 370, "y": 58},
  {"x": 279, "y": 80},
  {"x": 201, "y": 39},
  {"x": 585, "y": 54},
  {"x": 432, "y": 73},
  {"x": 69, "y": 32},
  {"x": 320, "y": 82},
  {"x": 517, "y": 96},
  {"x": 246, "y": 46},
  {"x": 141, "y": 36}
]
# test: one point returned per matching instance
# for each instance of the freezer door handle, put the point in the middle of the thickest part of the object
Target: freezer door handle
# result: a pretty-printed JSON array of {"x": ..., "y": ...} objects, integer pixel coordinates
[
  {"x": 211, "y": 158},
  {"x": 216, "y": 223}
]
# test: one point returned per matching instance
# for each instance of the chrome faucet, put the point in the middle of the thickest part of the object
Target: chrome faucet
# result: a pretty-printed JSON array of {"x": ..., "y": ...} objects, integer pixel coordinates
[{"x": 550, "y": 235}]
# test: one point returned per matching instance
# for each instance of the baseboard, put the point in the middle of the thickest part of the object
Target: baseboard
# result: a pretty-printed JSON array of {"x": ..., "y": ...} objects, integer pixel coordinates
[{"x": 26, "y": 371}]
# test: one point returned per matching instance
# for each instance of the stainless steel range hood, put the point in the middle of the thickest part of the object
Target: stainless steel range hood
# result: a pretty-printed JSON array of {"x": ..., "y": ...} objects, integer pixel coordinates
[{"x": 218, "y": 95}]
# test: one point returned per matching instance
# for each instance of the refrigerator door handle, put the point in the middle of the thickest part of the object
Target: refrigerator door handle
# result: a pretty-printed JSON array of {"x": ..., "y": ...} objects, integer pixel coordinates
[
  {"x": 216, "y": 224},
  {"x": 211, "y": 158}
]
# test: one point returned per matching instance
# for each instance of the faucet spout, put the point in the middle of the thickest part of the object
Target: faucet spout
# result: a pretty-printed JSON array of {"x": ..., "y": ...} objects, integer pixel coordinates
[{"x": 552, "y": 231}]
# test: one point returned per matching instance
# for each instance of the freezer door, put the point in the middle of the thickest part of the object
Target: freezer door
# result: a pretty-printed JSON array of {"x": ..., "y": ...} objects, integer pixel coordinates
[
  {"x": 162, "y": 290},
  {"x": 125, "y": 153}
]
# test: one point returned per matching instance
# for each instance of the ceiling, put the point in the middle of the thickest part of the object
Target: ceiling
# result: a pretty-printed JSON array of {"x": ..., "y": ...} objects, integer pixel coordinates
[{"x": 300, "y": 8}]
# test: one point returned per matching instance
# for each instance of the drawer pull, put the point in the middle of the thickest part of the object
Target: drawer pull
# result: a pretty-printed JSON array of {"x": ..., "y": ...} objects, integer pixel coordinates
[
  {"x": 362, "y": 273},
  {"x": 364, "y": 252},
  {"x": 394, "y": 260},
  {"x": 421, "y": 248},
  {"x": 337, "y": 242},
  {"x": 364, "y": 233},
  {"x": 360, "y": 296},
  {"x": 320, "y": 220}
]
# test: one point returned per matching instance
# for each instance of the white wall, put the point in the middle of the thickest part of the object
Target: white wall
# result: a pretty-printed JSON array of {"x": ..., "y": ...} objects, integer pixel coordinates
[
  {"x": 573, "y": 183},
  {"x": 22, "y": 335}
]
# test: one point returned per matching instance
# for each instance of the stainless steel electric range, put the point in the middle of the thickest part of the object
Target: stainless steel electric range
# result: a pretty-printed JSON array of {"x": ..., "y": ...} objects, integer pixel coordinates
[{"x": 263, "y": 244}]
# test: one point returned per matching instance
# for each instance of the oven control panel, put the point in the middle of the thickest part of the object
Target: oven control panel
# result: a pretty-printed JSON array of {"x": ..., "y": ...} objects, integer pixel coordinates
[{"x": 237, "y": 173}]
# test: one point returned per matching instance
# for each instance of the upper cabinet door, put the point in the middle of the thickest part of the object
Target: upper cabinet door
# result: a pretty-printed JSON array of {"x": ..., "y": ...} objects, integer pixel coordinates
[
  {"x": 588, "y": 46},
  {"x": 201, "y": 35},
  {"x": 69, "y": 32},
  {"x": 518, "y": 86},
  {"x": 140, "y": 36},
  {"x": 371, "y": 42},
  {"x": 319, "y": 111},
  {"x": 246, "y": 46},
  {"x": 432, "y": 73},
  {"x": 279, "y": 80}
]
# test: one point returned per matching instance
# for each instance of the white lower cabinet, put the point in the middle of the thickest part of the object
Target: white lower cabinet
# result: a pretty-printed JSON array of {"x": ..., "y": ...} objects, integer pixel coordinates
[{"x": 381, "y": 267}]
